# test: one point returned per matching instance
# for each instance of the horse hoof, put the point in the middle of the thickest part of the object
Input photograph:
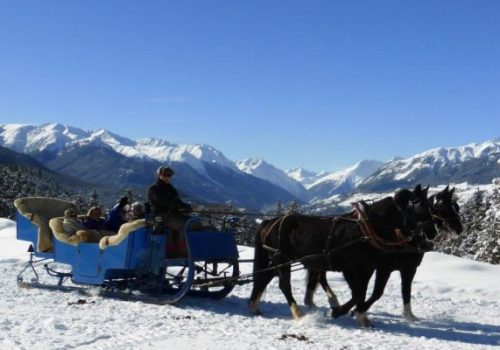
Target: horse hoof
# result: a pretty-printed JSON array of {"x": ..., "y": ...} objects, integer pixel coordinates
[
  {"x": 254, "y": 310},
  {"x": 335, "y": 313},
  {"x": 410, "y": 317},
  {"x": 296, "y": 312},
  {"x": 362, "y": 320},
  {"x": 408, "y": 314}
]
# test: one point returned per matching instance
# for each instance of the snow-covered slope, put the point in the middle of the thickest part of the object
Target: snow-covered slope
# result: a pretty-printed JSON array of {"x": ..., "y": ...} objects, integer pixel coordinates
[
  {"x": 266, "y": 171},
  {"x": 28, "y": 138},
  {"x": 305, "y": 177},
  {"x": 456, "y": 300},
  {"x": 343, "y": 181},
  {"x": 57, "y": 137}
]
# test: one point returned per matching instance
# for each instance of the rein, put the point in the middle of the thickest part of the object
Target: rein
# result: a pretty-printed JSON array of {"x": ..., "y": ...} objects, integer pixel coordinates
[{"x": 207, "y": 215}]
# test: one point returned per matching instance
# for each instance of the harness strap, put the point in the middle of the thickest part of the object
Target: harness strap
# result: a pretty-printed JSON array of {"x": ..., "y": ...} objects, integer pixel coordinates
[
  {"x": 372, "y": 236},
  {"x": 266, "y": 234},
  {"x": 335, "y": 220}
]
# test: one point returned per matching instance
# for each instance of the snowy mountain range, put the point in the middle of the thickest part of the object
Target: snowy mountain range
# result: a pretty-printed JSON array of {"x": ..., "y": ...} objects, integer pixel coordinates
[
  {"x": 54, "y": 138},
  {"x": 474, "y": 163},
  {"x": 106, "y": 159},
  {"x": 102, "y": 157}
]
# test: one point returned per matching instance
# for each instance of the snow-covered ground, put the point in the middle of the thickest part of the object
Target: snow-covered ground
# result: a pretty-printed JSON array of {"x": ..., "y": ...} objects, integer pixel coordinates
[{"x": 457, "y": 301}]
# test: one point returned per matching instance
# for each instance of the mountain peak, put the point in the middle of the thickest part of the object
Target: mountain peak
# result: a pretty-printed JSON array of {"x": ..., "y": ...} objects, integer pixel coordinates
[{"x": 261, "y": 169}]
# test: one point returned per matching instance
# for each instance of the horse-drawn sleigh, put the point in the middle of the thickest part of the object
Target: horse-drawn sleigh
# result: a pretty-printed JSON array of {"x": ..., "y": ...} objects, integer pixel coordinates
[
  {"x": 390, "y": 234},
  {"x": 133, "y": 264}
]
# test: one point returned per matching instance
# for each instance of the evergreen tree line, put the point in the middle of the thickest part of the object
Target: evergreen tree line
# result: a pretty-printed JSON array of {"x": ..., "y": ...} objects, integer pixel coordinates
[
  {"x": 17, "y": 182},
  {"x": 480, "y": 239}
]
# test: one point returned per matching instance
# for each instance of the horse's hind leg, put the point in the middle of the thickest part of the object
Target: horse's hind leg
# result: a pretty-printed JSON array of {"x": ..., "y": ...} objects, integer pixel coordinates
[
  {"x": 286, "y": 288},
  {"x": 312, "y": 284},
  {"x": 332, "y": 298},
  {"x": 260, "y": 282},
  {"x": 407, "y": 276},
  {"x": 313, "y": 278}
]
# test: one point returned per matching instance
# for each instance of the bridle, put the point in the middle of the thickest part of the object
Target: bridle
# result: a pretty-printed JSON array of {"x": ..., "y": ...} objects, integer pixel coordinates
[
  {"x": 423, "y": 224},
  {"x": 444, "y": 219},
  {"x": 414, "y": 206}
]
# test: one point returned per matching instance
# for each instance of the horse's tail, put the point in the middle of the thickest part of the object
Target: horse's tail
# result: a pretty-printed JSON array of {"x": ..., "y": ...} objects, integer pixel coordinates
[{"x": 261, "y": 257}]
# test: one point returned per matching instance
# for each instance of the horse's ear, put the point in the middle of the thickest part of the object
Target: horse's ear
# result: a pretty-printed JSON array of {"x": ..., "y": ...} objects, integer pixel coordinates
[
  {"x": 446, "y": 188},
  {"x": 402, "y": 198},
  {"x": 425, "y": 190},
  {"x": 418, "y": 188},
  {"x": 452, "y": 190}
]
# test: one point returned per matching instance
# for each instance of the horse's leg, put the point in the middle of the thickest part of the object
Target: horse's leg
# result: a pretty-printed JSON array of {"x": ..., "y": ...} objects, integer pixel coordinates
[
  {"x": 260, "y": 282},
  {"x": 332, "y": 298},
  {"x": 261, "y": 276},
  {"x": 286, "y": 288},
  {"x": 363, "y": 280},
  {"x": 358, "y": 282},
  {"x": 407, "y": 276},
  {"x": 343, "y": 309},
  {"x": 381, "y": 278},
  {"x": 312, "y": 284}
]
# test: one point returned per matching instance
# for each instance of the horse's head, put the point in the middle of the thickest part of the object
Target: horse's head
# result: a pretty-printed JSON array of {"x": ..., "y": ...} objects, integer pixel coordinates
[
  {"x": 446, "y": 211},
  {"x": 417, "y": 211}
]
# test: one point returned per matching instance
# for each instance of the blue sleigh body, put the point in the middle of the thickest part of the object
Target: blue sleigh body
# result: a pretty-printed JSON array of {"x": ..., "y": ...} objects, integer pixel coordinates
[{"x": 137, "y": 267}]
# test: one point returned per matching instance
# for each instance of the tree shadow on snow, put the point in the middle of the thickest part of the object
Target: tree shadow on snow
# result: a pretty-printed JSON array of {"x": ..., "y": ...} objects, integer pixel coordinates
[{"x": 448, "y": 330}]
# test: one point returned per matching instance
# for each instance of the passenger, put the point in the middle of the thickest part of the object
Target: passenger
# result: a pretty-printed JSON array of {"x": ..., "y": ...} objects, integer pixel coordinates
[
  {"x": 71, "y": 224},
  {"x": 137, "y": 211},
  {"x": 93, "y": 220},
  {"x": 116, "y": 216},
  {"x": 165, "y": 203}
]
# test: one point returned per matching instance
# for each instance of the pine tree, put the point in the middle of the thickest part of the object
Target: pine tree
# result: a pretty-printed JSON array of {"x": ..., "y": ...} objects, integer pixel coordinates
[
  {"x": 130, "y": 195},
  {"x": 293, "y": 208},
  {"x": 78, "y": 200},
  {"x": 94, "y": 199},
  {"x": 278, "y": 209},
  {"x": 487, "y": 246}
]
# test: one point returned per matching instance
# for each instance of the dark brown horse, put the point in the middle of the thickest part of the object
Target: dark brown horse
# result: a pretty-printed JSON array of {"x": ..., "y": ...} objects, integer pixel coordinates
[
  {"x": 348, "y": 243},
  {"x": 444, "y": 212}
]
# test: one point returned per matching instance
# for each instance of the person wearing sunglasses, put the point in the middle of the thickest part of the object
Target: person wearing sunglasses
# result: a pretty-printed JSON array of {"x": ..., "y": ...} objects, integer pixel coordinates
[{"x": 165, "y": 203}]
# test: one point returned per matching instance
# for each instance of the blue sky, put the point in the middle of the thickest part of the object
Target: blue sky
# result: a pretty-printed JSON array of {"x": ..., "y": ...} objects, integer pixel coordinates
[{"x": 319, "y": 84}]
